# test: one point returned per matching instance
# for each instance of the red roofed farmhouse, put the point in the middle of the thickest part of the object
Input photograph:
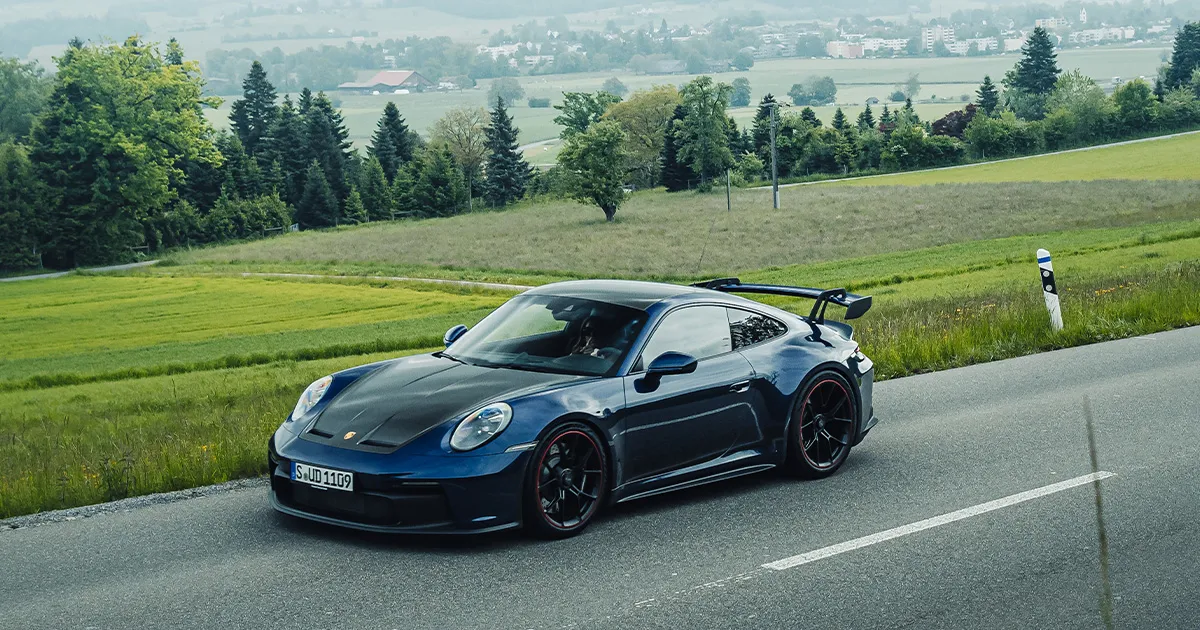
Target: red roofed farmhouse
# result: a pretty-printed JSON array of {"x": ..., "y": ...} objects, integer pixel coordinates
[{"x": 389, "y": 81}]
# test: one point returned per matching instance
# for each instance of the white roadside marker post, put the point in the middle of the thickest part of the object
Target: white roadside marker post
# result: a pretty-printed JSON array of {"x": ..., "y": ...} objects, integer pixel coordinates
[{"x": 1050, "y": 289}]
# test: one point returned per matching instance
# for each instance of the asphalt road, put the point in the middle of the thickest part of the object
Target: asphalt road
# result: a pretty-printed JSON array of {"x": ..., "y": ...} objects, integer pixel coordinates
[{"x": 948, "y": 441}]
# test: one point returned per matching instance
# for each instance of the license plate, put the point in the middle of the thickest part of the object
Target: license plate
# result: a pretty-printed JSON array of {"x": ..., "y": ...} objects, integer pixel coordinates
[{"x": 322, "y": 477}]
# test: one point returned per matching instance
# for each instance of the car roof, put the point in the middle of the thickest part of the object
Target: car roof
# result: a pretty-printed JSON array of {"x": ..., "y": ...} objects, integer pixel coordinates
[{"x": 631, "y": 293}]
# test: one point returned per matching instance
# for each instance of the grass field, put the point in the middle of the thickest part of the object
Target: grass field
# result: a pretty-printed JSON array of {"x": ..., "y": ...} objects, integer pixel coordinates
[
  {"x": 102, "y": 328},
  {"x": 170, "y": 377},
  {"x": 663, "y": 235},
  {"x": 1172, "y": 158}
]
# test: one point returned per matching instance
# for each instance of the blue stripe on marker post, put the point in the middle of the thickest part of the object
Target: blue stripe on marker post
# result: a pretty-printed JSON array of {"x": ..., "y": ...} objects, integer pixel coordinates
[{"x": 1044, "y": 260}]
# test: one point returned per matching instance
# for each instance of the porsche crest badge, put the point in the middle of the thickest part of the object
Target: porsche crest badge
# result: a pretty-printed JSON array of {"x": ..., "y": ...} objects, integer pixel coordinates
[{"x": 349, "y": 435}]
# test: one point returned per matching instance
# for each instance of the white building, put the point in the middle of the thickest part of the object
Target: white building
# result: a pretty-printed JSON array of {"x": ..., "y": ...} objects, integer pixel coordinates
[
  {"x": 930, "y": 35},
  {"x": 1094, "y": 35},
  {"x": 875, "y": 44},
  {"x": 1083, "y": 16},
  {"x": 1051, "y": 23},
  {"x": 844, "y": 50},
  {"x": 1013, "y": 43}
]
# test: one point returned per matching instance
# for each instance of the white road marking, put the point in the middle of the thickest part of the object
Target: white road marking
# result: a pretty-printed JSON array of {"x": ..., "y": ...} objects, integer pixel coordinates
[{"x": 937, "y": 521}]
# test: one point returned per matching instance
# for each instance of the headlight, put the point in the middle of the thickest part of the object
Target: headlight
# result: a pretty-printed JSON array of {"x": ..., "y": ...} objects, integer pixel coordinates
[
  {"x": 481, "y": 426},
  {"x": 311, "y": 397}
]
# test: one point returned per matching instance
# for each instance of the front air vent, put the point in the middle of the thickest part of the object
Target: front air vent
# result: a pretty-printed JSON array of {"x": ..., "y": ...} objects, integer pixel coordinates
[
  {"x": 318, "y": 432},
  {"x": 379, "y": 444}
]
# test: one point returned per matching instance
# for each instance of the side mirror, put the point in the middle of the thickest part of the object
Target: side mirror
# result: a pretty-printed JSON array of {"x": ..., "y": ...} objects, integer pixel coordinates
[
  {"x": 453, "y": 334},
  {"x": 669, "y": 363}
]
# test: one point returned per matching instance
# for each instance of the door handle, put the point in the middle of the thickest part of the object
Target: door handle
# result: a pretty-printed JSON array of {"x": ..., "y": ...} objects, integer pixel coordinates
[{"x": 740, "y": 388}]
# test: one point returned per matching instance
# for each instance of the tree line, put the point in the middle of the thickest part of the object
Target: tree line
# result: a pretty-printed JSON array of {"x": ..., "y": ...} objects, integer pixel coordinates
[
  {"x": 684, "y": 138},
  {"x": 114, "y": 155}
]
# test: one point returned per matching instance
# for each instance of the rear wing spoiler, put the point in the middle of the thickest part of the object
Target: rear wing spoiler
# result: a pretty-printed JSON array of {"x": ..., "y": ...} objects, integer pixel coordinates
[{"x": 856, "y": 305}]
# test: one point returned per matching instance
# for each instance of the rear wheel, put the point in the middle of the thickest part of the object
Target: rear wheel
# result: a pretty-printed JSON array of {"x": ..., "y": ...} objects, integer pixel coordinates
[
  {"x": 568, "y": 482},
  {"x": 822, "y": 426}
]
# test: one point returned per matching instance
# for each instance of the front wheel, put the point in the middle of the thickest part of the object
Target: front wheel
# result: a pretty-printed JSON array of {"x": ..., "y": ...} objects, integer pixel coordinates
[
  {"x": 567, "y": 483},
  {"x": 822, "y": 426}
]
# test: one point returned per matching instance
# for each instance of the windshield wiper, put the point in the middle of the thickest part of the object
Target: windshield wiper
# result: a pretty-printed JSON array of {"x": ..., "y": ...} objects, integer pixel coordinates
[{"x": 451, "y": 357}]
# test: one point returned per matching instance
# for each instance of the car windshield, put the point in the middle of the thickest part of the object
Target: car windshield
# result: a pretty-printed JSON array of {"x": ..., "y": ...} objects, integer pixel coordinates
[{"x": 549, "y": 333}]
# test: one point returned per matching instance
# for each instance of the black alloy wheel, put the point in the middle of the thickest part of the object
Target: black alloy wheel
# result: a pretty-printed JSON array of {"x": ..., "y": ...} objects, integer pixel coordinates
[
  {"x": 822, "y": 426},
  {"x": 568, "y": 482}
]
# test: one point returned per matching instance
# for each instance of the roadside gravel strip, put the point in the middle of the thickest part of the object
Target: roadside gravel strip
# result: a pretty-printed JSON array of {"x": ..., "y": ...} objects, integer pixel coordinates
[{"x": 127, "y": 505}]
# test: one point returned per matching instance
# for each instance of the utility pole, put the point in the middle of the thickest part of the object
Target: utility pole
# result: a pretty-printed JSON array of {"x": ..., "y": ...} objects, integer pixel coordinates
[
  {"x": 728, "y": 190},
  {"x": 774, "y": 156}
]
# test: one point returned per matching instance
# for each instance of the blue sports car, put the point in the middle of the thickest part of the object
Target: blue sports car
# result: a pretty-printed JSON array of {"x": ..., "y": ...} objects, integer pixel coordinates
[{"x": 576, "y": 395}]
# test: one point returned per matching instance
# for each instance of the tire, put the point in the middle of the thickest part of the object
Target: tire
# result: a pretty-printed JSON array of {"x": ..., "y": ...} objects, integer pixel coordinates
[
  {"x": 821, "y": 428},
  {"x": 567, "y": 482}
]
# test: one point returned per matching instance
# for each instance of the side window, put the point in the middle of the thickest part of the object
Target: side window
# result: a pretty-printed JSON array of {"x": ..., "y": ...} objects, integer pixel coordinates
[
  {"x": 748, "y": 328},
  {"x": 701, "y": 331}
]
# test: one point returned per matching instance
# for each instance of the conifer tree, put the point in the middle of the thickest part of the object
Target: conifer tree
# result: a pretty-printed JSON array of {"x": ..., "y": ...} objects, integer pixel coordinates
[
  {"x": 866, "y": 120},
  {"x": 289, "y": 147},
  {"x": 675, "y": 173},
  {"x": 439, "y": 189},
  {"x": 839, "y": 120},
  {"x": 318, "y": 207},
  {"x": 1037, "y": 71},
  {"x": 376, "y": 194},
  {"x": 326, "y": 151},
  {"x": 762, "y": 126},
  {"x": 507, "y": 171},
  {"x": 1185, "y": 56},
  {"x": 392, "y": 142},
  {"x": 253, "y": 114},
  {"x": 987, "y": 96},
  {"x": 355, "y": 212},
  {"x": 809, "y": 116}
]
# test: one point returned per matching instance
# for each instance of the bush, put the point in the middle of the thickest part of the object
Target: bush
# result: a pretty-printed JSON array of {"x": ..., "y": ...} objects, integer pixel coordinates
[
  {"x": 539, "y": 103},
  {"x": 232, "y": 217},
  {"x": 750, "y": 167}
]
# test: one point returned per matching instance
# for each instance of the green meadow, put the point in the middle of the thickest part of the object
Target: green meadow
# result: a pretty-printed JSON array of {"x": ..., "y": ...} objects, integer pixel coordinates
[{"x": 174, "y": 376}]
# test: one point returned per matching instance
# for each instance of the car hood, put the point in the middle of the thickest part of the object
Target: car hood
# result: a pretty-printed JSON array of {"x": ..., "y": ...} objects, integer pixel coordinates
[{"x": 389, "y": 407}]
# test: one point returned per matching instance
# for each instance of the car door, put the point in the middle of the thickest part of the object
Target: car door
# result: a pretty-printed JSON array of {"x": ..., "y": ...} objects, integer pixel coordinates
[
  {"x": 754, "y": 336},
  {"x": 687, "y": 419}
]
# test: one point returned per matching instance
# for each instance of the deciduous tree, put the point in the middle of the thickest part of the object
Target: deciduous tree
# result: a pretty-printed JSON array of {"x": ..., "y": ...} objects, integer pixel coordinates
[
  {"x": 613, "y": 86},
  {"x": 462, "y": 131},
  {"x": 23, "y": 93},
  {"x": 705, "y": 143},
  {"x": 645, "y": 118},
  {"x": 118, "y": 127},
  {"x": 593, "y": 160},
  {"x": 581, "y": 109},
  {"x": 741, "y": 92},
  {"x": 506, "y": 88}
]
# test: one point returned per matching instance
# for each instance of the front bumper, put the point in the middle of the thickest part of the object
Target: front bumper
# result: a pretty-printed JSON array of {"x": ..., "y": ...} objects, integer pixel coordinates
[{"x": 468, "y": 495}]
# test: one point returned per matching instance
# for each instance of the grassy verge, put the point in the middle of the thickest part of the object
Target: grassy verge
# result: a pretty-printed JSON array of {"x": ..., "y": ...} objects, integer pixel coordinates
[
  {"x": 80, "y": 444},
  {"x": 83, "y": 444}
]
